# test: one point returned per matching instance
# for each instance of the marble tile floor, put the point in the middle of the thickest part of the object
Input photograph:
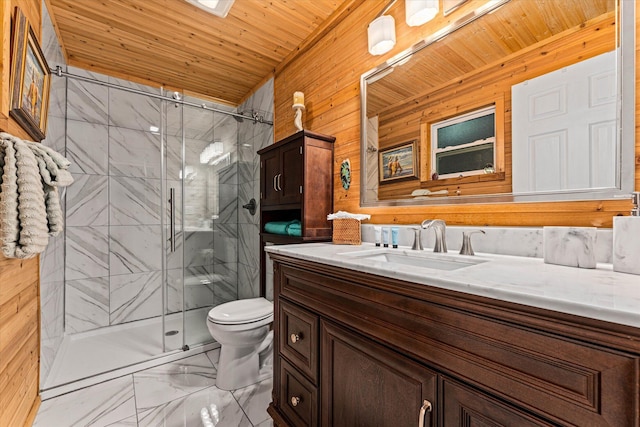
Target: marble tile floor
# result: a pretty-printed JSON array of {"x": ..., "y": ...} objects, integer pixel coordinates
[{"x": 170, "y": 395}]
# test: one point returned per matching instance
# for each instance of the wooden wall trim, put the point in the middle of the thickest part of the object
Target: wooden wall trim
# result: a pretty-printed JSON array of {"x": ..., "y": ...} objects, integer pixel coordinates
[
  {"x": 329, "y": 74},
  {"x": 33, "y": 412}
]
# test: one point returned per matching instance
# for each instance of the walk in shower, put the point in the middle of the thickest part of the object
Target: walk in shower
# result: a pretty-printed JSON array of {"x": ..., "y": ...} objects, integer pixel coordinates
[{"x": 152, "y": 236}]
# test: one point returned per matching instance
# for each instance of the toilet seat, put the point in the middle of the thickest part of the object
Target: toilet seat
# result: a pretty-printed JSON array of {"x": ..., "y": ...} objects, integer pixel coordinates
[{"x": 241, "y": 311}]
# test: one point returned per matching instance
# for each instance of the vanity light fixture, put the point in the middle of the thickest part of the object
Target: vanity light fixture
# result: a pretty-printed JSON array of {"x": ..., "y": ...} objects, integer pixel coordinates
[
  {"x": 382, "y": 35},
  {"x": 217, "y": 7},
  {"x": 420, "y": 11},
  {"x": 381, "y": 32}
]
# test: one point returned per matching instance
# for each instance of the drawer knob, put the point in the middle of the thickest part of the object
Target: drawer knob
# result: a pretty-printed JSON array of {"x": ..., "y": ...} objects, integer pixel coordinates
[
  {"x": 295, "y": 400},
  {"x": 295, "y": 338}
]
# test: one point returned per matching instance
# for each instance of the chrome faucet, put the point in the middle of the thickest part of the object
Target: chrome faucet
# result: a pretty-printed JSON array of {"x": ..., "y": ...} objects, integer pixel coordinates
[
  {"x": 466, "y": 248},
  {"x": 417, "y": 240},
  {"x": 440, "y": 227}
]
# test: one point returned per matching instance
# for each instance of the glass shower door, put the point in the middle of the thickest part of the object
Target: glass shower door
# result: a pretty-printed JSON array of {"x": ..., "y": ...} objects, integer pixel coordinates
[
  {"x": 201, "y": 226},
  {"x": 174, "y": 236}
]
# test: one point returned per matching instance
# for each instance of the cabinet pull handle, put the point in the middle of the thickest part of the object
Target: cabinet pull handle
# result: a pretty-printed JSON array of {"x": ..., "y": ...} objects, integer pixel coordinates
[
  {"x": 275, "y": 178},
  {"x": 295, "y": 400},
  {"x": 295, "y": 338},
  {"x": 279, "y": 181},
  {"x": 426, "y": 407}
]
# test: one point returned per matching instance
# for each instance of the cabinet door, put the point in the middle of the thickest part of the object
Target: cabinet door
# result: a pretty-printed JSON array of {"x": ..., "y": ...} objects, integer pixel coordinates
[
  {"x": 269, "y": 175},
  {"x": 364, "y": 383},
  {"x": 292, "y": 162},
  {"x": 466, "y": 407}
]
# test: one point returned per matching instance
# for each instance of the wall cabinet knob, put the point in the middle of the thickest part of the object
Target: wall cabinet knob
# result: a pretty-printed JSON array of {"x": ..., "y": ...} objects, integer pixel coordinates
[
  {"x": 295, "y": 338},
  {"x": 295, "y": 400}
]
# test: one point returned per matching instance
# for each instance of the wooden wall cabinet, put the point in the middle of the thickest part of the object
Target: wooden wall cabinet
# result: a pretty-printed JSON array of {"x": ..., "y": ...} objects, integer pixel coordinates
[
  {"x": 296, "y": 182},
  {"x": 354, "y": 349}
]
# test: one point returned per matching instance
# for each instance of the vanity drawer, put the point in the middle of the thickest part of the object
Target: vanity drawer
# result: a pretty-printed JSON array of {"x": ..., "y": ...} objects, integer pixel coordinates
[
  {"x": 298, "y": 338},
  {"x": 465, "y": 406},
  {"x": 298, "y": 397}
]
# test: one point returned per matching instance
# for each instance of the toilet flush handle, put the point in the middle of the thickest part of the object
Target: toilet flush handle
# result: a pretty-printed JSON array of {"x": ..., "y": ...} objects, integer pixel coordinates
[{"x": 295, "y": 338}]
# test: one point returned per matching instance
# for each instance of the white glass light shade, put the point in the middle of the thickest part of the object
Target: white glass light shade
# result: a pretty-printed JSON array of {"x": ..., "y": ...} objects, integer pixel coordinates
[
  {"x": 420, "y": 11},
  {"x": 217, "y": 7},
  {"x": 211, "y": 4},
  {"x": 382, "y": 35}
]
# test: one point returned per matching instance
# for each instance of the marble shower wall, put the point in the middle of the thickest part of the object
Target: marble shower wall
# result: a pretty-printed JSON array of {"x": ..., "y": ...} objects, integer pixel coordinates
[
  {"x": 113, "y": 242},
  {"x": 251, "y": 138},
  {"x": 52, "y": 259},
  {"x": 114, "y": 232}
]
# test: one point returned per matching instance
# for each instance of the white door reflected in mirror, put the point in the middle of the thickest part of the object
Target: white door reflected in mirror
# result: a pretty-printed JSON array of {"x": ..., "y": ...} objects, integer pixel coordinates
[{"x": 565, "y": 128}]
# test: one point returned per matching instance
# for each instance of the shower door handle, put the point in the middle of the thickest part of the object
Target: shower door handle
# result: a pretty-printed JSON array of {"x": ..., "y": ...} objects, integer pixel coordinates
[{"x": 172, "y": 219}]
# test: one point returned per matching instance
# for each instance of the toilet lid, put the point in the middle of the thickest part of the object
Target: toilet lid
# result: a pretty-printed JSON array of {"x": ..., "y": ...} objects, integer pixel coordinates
[{"x": 241, "y": 311}]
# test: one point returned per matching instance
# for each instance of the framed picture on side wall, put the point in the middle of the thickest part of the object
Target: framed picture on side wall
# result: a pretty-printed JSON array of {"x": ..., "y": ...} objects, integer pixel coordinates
[
  {"x": 30, "y": 79},
  {"x": 398, "y": 162}
]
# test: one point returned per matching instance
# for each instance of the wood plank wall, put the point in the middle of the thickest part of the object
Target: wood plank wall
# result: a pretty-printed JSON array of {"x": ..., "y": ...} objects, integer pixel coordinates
[
  {"x": 19, "y": 279},
  {"x": 329, "y": 75}
]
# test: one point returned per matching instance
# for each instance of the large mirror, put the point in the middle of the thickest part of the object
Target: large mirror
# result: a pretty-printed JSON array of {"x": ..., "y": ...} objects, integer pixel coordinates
[{"x": 519, "y": 100}]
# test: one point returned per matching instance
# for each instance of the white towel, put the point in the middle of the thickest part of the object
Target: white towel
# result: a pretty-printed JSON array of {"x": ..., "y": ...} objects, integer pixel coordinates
[
  {"x": 9, "y": 231},
  {"x": 29, "y": 200},
  {"x": 32, "y": 213},
  {"x": 60, "y": 160},
  {"x": 52, "y": 173}
]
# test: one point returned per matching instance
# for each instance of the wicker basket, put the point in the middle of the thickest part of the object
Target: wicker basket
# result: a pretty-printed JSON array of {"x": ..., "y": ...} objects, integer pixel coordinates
[{"x": 346, "y": 231}]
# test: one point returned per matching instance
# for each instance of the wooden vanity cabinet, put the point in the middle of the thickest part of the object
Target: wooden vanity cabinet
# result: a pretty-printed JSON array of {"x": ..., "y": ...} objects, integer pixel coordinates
[
  {"x": 296, "y": 183},
  {"x": 356, "y": 349}
]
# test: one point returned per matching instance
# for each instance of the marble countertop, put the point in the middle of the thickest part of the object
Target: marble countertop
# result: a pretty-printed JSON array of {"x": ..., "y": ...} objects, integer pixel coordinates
[{"x": 598, "y": 293}]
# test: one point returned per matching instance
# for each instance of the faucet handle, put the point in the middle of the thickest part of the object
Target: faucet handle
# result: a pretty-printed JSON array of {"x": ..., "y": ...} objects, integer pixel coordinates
[
  {"x": 466, "y": 248},
  {"x": 417, "y": 240}
]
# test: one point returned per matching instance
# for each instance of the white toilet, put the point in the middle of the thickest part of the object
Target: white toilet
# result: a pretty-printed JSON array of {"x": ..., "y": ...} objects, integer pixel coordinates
[{"x": 242, "y": 329}]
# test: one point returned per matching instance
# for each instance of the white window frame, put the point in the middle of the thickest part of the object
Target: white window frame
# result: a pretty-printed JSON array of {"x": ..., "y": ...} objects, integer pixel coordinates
[{"x": 459, "y": 119}]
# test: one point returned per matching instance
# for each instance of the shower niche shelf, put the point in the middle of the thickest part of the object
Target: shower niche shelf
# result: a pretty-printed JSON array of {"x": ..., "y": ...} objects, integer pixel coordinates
[{"x": 296, "y": 183}]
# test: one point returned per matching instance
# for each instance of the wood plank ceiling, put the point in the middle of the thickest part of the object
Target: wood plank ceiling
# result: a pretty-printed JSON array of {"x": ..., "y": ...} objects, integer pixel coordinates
[{"x": 175, "y": 44}]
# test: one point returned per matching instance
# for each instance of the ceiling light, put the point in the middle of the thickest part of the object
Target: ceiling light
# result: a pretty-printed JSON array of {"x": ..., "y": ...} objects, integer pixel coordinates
[
  {"x": 210, "y": 151},
  {"x": 382, "y": 35},
  {"x": 420, "y": 11},
  {"x": 217, "y": 7}
]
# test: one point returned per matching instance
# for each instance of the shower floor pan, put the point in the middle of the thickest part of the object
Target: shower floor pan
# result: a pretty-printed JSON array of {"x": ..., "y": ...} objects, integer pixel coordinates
[{"x": 92, "y": 357}]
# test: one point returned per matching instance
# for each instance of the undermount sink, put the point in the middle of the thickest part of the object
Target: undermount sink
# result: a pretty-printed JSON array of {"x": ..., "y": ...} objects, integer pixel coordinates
[{"x": 436, "y": 261}]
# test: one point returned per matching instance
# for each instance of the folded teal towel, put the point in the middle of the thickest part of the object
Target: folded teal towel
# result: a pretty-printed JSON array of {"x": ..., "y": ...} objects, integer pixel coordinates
[
  {"x": 285, "y": 228},
  {"x": 294, "y": 229}
]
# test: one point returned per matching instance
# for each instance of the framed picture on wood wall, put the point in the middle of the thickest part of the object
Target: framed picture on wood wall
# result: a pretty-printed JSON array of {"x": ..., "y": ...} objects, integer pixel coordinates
[
  {"x": 398, "y": 162},
  {"x": 30, "y": 79}
]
